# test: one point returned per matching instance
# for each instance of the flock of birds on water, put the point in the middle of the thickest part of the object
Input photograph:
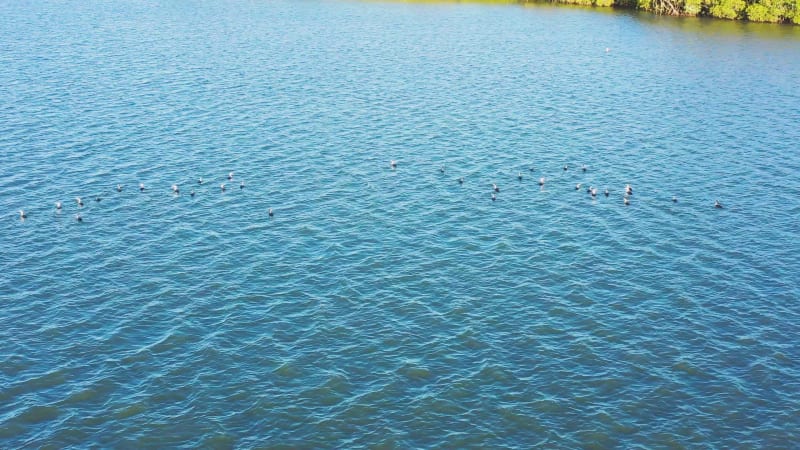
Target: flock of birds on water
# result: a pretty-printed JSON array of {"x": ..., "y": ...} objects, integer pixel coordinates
[
  {"x": 591, "y": 190},
  {"x": 175, "y": 190}
]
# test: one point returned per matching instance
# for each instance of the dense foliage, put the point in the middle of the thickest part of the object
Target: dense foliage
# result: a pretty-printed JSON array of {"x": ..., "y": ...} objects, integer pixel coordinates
[{"x": 787, "y": 11}]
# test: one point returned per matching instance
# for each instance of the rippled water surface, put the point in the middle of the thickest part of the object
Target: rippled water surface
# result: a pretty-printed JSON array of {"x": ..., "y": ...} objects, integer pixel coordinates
[{"x": 396, "y": 308}]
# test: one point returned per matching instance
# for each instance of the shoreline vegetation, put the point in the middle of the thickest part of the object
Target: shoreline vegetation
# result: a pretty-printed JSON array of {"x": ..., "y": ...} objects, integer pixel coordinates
[{"x": 774, "y": 11}]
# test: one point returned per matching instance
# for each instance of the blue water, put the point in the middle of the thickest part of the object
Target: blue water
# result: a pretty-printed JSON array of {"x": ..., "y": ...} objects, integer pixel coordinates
[{"x": 396, "y": 308}]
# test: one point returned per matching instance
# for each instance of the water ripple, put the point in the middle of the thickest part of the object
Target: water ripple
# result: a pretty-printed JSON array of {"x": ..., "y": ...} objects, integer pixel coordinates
[{"x": 395, "y": 307}]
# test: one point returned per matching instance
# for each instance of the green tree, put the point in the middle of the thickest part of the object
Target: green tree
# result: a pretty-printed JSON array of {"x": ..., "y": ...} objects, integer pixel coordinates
[
  {"x": 761, "y": 13},
  {"x": 671, "y": 7},
  {"x": 770, "y": 10},
  {"x": 692, "y": 7},
  {"x": 727, "y": 9},
  {"x": 793, "y": 12}
]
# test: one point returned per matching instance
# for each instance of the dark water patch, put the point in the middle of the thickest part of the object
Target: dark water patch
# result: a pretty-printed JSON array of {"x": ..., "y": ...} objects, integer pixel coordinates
[{"x": 38, "y": 414}]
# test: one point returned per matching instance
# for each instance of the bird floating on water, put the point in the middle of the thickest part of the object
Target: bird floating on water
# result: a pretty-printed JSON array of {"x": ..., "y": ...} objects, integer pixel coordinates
[
  {"x": 583, "y": 168},
  {"x": 230, "y": 176},
  {"x": 606, "y": 193},
  {"x": 58, "y": 205},
  {"x": 674, "y": 199},
  {"x": 98, "y": 199},
  {"x": 578, "y": 186},
  {"x": 495, "y": 188},
  {"x": 270, "y": 212},
  {"x": 717, "y": 204},
  {"x": 566, "y": 167},
  {"x": 222, "y": 187},
  {"x": 119, "y": 188},
  {"x": 628, "y": 189},
  {"x": 22, "y": 214},
  {"x": 519, "y": 176},
  {"x": 175, "y": 189},
  {"x": 79, "y": 201},
  {"x": 192, "y": 193},
  {"x": 78, "y": 218},
  {"x": 461, "y": 180},
  {"x": 393, "y": 164},
  {"x": 200, "y": 180},
  {"x": 494, "y": 197},
  {"x": 594, "y": 192},
  {"x": 626, "y": 201},
  {"x": 541, "y": 181},
  {"x": 241, "y": 185},
  {"x": 141, "y": 187},
  {"x": 441, "y": 169}
]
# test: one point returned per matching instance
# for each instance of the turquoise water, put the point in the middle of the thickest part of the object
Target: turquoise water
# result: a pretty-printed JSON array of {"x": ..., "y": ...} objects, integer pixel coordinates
[{"x": 396, "y": 308}]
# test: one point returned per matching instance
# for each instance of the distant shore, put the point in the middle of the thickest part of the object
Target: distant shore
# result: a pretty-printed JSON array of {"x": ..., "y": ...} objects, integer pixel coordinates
[{"x": 774, "y": 11}]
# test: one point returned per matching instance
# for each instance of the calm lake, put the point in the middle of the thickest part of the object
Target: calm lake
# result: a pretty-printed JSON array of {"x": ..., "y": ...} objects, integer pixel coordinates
[{"x": 405, "y": 307}]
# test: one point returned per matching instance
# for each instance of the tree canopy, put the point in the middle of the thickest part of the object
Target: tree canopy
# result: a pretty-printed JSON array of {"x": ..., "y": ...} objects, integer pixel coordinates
[{"x": 777, "y": 11}]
